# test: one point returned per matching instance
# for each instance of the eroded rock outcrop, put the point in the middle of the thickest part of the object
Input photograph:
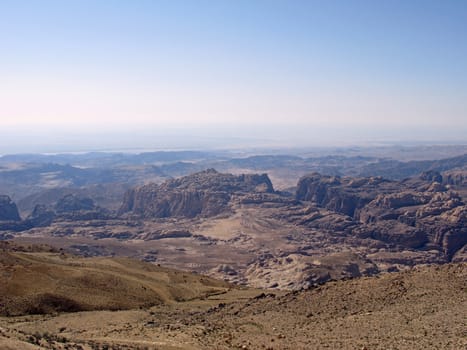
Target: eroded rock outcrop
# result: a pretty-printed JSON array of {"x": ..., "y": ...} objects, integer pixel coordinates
[
  {"x": 298, "y": 271},
  {"x": 456, "y": 178},
  {"x": 41, "y": 216},
  {"x": 8, "y": 209},
  {"x": 414, "y": 213},
  {"x": 342, "y": 195},
  {"x": 206, "y": 194},
  {"x": 76, "y": 208},
  {"x": 9, "y": 216},
  {"x": 72, "y": 203}
]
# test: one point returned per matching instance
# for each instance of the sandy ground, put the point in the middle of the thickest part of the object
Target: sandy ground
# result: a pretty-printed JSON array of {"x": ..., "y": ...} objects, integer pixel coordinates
[{"x": 424, "y": 308}]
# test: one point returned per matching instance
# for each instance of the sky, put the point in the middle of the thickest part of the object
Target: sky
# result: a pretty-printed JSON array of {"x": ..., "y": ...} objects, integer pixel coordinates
[{"x": 301, "y": 70}]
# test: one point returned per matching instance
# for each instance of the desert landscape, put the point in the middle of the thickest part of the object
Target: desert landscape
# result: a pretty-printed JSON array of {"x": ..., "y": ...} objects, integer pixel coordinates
[
  {"x": 225, "y": 260},
  {"x": 109, "y": 303},
  {"x": 242, "y": 229},
  {"x": 248, "y": 174}
]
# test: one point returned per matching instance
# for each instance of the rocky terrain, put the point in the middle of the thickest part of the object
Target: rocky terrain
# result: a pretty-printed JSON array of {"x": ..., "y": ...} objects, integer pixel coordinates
[
  {"x": 400, "y": 170},
  {"x": 68, "y": 208},
  {"x": 8, "y": 209},
  {"x": 31, "y": 179},
  {"x": 422, "y": 308},
  {"x": 9, "y": 215},
  {"x": 41, "y": 280},
  {"x": 206, "y": 194},
  {"x": 358, "y": 262},
  {"x": 416, "y": 213},
  {"x": 238, "y": 228}
]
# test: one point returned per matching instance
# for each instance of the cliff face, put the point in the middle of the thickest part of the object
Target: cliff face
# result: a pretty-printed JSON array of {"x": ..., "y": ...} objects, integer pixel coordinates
[
  {"x": 207, "y": 193},
  {"x": 342, "y": 195},
  {"x": 8, "y": 209},
  {"x": 75, "y": 208},
  {"x": 72, "y": 203},
  {"x": 68, "y": 208},
  {"x": 413, "y": 213}
]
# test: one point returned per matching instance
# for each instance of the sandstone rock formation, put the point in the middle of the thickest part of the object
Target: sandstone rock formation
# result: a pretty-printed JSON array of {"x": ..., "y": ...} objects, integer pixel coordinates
[
  {"x": 342, "y": 195},
  {"x": 71, "y": 203},
  {"x": 9, "y": 216},
  {"x": 206, "y": 194},
  {"x": 413, "y": 213},
  {"x": 8, "y": 209},
  {"x": 298, "y": 271},
  {"x": 73, "y": 207},
  {"x": 68, "y": 208},
  {"x": 41, "y": 216},
  {"x": 334, "y": 227}
]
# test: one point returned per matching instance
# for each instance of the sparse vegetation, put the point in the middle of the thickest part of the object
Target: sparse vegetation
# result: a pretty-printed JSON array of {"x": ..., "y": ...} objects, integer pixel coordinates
[{"x": 423, "y": 308}]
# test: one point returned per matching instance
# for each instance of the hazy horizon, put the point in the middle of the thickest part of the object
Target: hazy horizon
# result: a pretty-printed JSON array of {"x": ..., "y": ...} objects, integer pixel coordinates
[
  {"x": 88, "y": 75},
  {"x": 41, "y": 139}
]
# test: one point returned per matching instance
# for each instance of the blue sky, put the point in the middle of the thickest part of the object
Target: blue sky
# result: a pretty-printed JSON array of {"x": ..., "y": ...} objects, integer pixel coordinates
[{"x": 370, "y": 64}]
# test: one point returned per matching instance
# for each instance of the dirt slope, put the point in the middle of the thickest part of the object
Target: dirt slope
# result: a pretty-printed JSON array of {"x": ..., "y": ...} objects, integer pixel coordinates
[
  {"x": 32, "y": 283},
  {"x": 423, "y": 308}
]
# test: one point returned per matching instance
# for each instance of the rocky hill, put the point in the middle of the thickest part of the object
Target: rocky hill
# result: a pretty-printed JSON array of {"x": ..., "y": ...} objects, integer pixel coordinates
[
  {"x": 423, "y": 308},
  {"x": 397, "y": 170},
  {"x": 207, "y": 193},
  {"x": 8, "y": 209},
  {"x": 236, "y": 227},
  {"x": 68, "y": 208},
  {"x": 342, "y": 195},
  {"x": 419, "y": 309},
  {"x": 10, "y": 219},
  {"x": 107, "y": 196},
  {"x": 37, "y": 282},
  {"x": 419, "y": 212}
]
